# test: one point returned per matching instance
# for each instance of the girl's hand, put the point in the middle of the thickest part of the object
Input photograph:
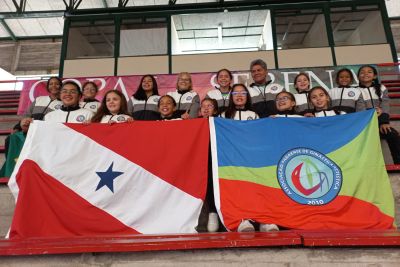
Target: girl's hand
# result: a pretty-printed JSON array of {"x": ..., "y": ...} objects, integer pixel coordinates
[
  {"x": 272, "y": 116},
  {"x": 309, "y": 115},
  {"x": 385, "y": 128},
  {"x": 86, "y": 122},
  {"x": 378, "y": 111},
  {"x": 129, "y": 120},
  {"x": 111, "y": 122},
  {"x": 185, "y": 116}
]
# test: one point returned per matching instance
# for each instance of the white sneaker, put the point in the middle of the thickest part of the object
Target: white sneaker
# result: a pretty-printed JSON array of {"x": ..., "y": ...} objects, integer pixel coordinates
[
  {"x": 245, "y": 226},
  {"x": 265, "y": 227},
  {"x": 212, "y": 225}
]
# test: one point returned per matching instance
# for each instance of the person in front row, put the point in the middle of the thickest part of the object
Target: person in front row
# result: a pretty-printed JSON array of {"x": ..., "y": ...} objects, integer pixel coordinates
[
  {"x": 285, "y": 105},
  {"x": 167, "y": 108},
  {"x": 89, "y": 102},
  {"x": 70, "y": 111},
  {"x": 113, "y": 109},
  {"x": 376, "y": 96},
  {"x": 320, "y": 99},
  {"x": 188, "y": 101},
  {"x": 45, "y": 104},
  {"x": 263, "y": 91},
  {"x": 209, "y": 108},
  {"x": 143, "y": 105},
  {"x": 221, "y": 93},
  {"x": 239, "y": 104},
  {"x": 344, "y": 97}
]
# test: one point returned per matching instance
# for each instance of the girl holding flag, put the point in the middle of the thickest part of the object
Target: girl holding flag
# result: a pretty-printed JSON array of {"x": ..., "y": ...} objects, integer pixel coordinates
[
  {"x": 113, "y": 109},
  {"x": 239, "y": 104}
]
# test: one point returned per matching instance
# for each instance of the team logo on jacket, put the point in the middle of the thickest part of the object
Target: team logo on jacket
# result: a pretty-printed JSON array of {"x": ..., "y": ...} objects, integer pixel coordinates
[
  {"x": 274, "y": 88},
  {"x": 309, "y": 177},
  {"x": 156, "y": 99},
  {"x": 93, "y": 106},
  {"x": 351, "y": 94},
  {"x": 80, "y": 118},
  {"x": 58, "y": 106},
  {"x": 189, "y": 98},
  {"x": 121, "y": 118}
]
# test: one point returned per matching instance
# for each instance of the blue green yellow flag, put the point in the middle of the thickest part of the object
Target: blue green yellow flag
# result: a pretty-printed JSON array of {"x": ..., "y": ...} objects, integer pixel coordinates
[{"x": 302, "y": 173}]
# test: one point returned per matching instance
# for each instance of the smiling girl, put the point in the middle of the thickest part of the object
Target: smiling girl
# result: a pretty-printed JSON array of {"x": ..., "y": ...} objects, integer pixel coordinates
[
  {"x": 239, "y": 104},
  {"x": 113, "y": 109}
]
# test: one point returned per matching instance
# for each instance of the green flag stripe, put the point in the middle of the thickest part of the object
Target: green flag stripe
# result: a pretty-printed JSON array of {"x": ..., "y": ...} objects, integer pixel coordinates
[{"x": 362, "y": 168}]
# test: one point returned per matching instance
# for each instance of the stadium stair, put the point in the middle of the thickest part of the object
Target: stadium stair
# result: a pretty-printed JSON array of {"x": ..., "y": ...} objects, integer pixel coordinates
[
  {"x": 9, "y": 101},
  {"x": 131, "y": 243}
]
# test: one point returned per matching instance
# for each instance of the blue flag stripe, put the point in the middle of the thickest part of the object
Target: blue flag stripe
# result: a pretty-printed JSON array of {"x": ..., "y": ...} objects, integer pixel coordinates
[{"x": 261, "y": 143}]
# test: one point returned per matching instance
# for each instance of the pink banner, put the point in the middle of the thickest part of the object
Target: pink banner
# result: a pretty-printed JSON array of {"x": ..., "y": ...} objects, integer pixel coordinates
[{"x": 202, "y": 82}]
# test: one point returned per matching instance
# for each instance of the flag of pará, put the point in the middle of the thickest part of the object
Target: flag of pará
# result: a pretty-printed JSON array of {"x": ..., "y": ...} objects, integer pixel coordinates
[
  {"x": 101, "y": 179},
  {"x": 302, "y": 173}
]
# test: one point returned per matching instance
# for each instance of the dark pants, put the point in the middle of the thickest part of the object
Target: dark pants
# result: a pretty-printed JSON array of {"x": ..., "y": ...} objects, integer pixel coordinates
[{"x": 393, "y": 140}]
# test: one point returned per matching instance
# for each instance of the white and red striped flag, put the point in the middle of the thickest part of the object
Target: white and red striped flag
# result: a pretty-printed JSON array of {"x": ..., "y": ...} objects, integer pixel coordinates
[{"x": 99, "y": 179}]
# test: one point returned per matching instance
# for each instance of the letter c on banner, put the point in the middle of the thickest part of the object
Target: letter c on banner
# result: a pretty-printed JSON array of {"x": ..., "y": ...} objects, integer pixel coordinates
[{"x": 32, "y": 90}]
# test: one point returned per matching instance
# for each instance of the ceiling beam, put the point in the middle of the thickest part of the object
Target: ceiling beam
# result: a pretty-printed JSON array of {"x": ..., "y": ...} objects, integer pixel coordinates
[
  {"x": 105, "y": 5},
  {"x": 21, "y": 6},
  {"x": 122, "y": 3},
  {"x": 7, "y": 28}
]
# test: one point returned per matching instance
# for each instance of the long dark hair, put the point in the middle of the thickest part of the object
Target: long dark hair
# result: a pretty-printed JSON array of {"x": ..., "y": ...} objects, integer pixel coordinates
[
  {"x": 231, "y": 110},
  {"x": 375, "y": 82},
  {"x": 323, "y": 90},
  {"x": 102, "y": 111},
  {"x": 297, "y": 76},
  {"x": 140, "y": 94},
  {"x": 48, "y": 82},
  {"x": 344, "y": 70}
]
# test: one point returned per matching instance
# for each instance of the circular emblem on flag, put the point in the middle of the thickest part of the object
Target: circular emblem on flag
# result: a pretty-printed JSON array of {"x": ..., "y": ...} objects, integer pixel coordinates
[
  {"x": 274, "y": 88},
  {"x": 121, "y": 118},
  {"x": 309, "y": 177},
  {"x": 189, "y": 98},
  {"x": 351, "y": 93},
  {"x": 80, "y": 118},
  {"x": 58, "y": 106},
  {"x": 93, "y": 106}
]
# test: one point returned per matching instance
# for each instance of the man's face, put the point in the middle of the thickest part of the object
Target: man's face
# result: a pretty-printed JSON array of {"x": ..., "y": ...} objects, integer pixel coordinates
[
  {"x": 69, "y": 95},
  {"x": 259, "y": 74}
]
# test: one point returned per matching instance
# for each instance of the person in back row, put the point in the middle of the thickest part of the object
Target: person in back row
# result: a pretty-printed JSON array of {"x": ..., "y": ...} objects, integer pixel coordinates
[
  {"x": 302, "y": 86},
  {"x": 70, "y": 111},
  {"x": 239, "y": 104},
  {"x": 221, "y": 93},
  {"x": 263, "y": 91},
  {"x": 344, "y": 97},
  {"x": 187, "y": 100},
  {"x": 45, "y": 104},
  {"x": 376, "y": 96},
  {"x": 143, "y": 103},
  {"x": 89, "y": 102}
]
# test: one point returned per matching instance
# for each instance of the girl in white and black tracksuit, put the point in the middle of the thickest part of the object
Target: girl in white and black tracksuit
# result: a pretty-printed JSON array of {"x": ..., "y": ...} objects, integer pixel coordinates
[
  {"x": 187, "y": 100},
  {"x": 113, "y": 109},
  {"x": 240, "y": 107},
  {"x": 285, "y": 105},
  {"x": 302, "y": 86},
  {"x": 143, "y": 105},
  {"x": 320, "y": 99},
  {"x": 45, "y": 104},
  {"x": 376, "y": 96},
  {"x": 221, "y": 93},
  {"x": 89, "y": 102},
  {"x": 344, "y": 97}
]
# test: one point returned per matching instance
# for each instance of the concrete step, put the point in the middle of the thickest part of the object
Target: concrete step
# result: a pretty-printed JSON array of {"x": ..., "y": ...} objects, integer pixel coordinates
[{"x": 8, "y": 112}]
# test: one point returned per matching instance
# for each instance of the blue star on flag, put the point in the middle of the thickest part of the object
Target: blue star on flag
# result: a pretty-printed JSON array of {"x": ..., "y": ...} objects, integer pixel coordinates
[{"x": 107, "y": 178}]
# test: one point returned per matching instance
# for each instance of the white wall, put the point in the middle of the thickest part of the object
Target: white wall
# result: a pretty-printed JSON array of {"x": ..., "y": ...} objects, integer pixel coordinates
[
  {"x": 370, "y": 31},
  {"x": 316, "y": 36}
]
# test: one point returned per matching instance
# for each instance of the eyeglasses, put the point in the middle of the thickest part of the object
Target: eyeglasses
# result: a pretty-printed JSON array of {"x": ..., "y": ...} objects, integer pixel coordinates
[
  {"x": 69, "y": 92},
  {"x": 89, "y": 89},
  {"x": 282, "y": 99},
  {"x": 207, "y": 106},
  {"x": 241, "y": 93},
  {"x": 183, "y": 80}
]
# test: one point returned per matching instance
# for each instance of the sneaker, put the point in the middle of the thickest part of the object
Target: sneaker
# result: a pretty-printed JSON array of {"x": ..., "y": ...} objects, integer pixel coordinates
[
  {"x": 245, "y": 226},
  {"x": 265, "y": 227},
  {"x": 212, "y": 225}
]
